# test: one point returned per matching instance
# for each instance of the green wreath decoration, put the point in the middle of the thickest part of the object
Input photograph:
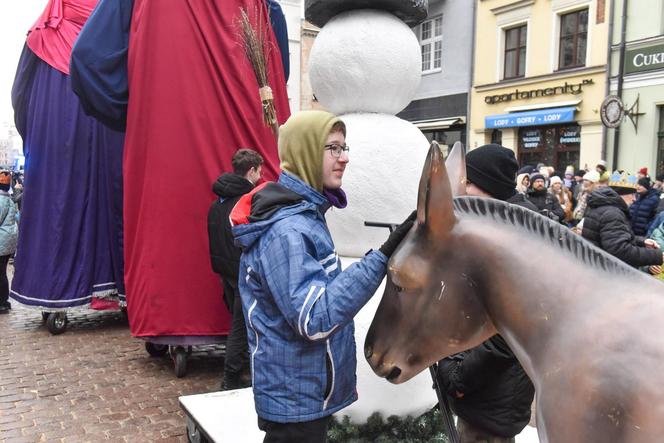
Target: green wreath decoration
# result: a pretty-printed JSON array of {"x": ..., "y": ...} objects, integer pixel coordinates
[{"x": 427, "y": 428}]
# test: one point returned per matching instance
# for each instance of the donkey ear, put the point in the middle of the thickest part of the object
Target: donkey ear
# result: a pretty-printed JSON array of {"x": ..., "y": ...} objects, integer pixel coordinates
[
  {"x": 424, "y": 188},
  {"x": 456, "y": 169},
  {"x": 434, "y": 203}
]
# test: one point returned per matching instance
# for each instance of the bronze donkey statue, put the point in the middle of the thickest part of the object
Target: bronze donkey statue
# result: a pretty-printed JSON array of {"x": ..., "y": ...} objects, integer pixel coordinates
[{"x": 588, "y": 329}]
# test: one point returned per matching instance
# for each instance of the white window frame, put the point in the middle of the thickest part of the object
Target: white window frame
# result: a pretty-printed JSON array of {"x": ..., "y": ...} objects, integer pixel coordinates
[
  {"x": 432, "y": 40},
  {"x": 563, "y": 7},
  {"x": 510, "y": 16}
]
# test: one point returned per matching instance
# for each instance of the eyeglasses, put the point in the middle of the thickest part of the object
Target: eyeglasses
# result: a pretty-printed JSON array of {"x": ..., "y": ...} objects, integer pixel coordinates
[{"x": 336, "y": 149}]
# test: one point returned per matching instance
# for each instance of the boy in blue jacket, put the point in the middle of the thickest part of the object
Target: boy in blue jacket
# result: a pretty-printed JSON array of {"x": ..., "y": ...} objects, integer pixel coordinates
[{"x": 298, "y": 303}]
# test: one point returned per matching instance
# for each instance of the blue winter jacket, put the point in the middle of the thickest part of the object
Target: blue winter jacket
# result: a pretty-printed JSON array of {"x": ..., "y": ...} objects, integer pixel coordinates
[
  {"x": 655, "y": 223},
  {"x": 299, "y": 308},
  {"x": 643, "y": 211}
]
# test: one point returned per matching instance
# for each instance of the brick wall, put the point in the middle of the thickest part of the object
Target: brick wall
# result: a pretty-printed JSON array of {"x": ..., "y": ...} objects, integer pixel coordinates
[{"x": 601, "y": 11}]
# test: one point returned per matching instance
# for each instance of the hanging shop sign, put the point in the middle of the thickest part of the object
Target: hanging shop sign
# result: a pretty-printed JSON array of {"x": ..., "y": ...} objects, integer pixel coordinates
[
  {"x": 532, "y": 118},
  {"x": 644, "y": 59},
  {"x": 612, "y": 111},
  {"x": 567, "y": 88}
]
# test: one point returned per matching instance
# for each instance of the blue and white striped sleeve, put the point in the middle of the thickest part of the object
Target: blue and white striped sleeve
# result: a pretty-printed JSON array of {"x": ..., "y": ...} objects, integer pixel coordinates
[{"x": 314, "y": 304}]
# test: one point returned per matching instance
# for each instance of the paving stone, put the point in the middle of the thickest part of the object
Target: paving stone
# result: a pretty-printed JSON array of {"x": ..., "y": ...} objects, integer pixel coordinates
[{"x": 93, "y": 383}]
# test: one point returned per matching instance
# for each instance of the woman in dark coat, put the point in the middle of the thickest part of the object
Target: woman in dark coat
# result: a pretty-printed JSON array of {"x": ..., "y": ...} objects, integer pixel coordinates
[{"x": 644, "y": 209}]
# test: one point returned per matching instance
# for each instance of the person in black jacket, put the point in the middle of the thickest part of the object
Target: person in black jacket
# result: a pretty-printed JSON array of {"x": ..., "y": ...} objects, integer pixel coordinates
[
  {"x": 606, "y": 225},
  {"x": 644, "y": 209},
  {"x": 488, "y": 389},
  {"x": 225, "y": 257},
  {"x": 547, "y": 204}
]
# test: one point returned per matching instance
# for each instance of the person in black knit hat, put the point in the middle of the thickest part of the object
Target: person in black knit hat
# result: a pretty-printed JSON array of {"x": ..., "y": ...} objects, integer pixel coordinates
[
  {"x": 491, "y": 172},
  {"x": 644, "y": 209},
  {"x": 489, "y": 390}
]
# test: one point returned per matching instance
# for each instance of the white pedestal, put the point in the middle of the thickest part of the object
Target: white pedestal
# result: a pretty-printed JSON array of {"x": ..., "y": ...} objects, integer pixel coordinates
[{"x": 230, "y": 416}]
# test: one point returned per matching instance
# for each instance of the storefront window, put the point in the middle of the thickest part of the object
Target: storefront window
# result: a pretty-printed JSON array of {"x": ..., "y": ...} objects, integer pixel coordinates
[
  {"x": 556, "y": 146},
  {"x": 497, "y": 136},
  {"x": 660, "y": 142},
  {"x": 447, "y": 137}
]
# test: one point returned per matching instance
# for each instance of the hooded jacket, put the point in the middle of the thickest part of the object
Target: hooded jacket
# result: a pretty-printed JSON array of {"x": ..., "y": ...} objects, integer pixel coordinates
[
  {"x": 606, "y": 225},
  {"x": 643, "y": 211},
  {"x": 224, "y": 255},
  {"x": 298, "y": 303}
]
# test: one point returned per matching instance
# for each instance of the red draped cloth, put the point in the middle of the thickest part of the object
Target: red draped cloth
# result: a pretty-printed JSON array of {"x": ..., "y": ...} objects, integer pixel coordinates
[
  {"x": 54, "y": 33},
  {"x": 193, "y": 101}
]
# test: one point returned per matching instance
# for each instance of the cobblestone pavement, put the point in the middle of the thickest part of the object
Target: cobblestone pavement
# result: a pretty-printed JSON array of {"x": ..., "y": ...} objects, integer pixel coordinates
[{"x": 92, "y": 383}]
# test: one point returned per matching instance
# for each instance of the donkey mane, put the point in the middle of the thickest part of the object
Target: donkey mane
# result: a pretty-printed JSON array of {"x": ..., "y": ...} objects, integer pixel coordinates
[{"x": 549, "y": 231}]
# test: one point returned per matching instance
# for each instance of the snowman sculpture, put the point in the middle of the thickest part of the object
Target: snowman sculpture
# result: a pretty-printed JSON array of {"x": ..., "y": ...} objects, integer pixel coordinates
[{"x": 365, "y": 66}]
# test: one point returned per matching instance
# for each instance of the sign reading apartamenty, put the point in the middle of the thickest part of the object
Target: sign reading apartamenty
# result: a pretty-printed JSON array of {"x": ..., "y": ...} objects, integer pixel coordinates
[
  {"x": 644, "y": 59},
  {"x": 566, "y": 88}
]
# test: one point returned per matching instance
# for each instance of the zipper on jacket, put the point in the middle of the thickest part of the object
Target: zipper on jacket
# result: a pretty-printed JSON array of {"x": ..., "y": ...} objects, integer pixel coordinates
[
  {"x": 329, "y": 370},
  {"x": 251, "y": 325}
]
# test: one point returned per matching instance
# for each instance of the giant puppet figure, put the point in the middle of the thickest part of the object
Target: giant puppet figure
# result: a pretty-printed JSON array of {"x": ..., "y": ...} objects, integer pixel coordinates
[
  {"x": 192, "y": 102},
  {"x": 591, "y": 342},
  {"x": 70, "y": 245}
]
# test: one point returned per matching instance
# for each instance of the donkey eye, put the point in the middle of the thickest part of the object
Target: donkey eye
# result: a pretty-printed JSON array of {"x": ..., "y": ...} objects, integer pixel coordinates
[{"x": 398, "y": 288}]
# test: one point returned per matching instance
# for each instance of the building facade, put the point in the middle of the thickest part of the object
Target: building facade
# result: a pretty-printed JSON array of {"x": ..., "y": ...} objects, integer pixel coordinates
[
  {"x": 293, "y": 12},
  {"x": 440, "y": 105},
  {"x": 540, "y": 78},
  {"x": 308, "y": 36},
  {"x": 640, "y": 84}
]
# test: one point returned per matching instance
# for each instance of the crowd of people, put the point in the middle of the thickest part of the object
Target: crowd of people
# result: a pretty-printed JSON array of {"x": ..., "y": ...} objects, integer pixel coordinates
[{"x": 618, "y": 212}]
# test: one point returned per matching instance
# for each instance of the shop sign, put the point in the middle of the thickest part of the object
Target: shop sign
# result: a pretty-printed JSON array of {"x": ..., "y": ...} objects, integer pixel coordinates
[
  {"x": 533, "y": 118},
  {"x": 567, "y": 88},
  {"x": 612, "y": 111},
  {"x": 644, "y": 59},
  {"x": 570, "y": 135},
  {"x": 531, "y": 139}
]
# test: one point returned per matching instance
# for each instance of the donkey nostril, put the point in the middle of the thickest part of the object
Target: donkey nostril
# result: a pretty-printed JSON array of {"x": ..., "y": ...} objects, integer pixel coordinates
[
  {"x": 394, "y": 373},
  {"x": 368, "y": 352}
]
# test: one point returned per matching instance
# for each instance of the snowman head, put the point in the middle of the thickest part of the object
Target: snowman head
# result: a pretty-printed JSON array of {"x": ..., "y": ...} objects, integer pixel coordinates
[{"x": 365, "y": 61}]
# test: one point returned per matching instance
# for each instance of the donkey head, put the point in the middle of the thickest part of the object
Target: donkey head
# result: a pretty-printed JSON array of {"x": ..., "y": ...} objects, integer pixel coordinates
[{"x": 429, "y": 309}]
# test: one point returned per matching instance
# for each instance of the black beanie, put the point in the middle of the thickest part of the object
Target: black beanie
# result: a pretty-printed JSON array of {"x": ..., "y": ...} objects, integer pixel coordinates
[
  {"x": 492, "y": 168},
  {"x": 645, "y": 182},
  {"x": 536, "y": 176}
]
